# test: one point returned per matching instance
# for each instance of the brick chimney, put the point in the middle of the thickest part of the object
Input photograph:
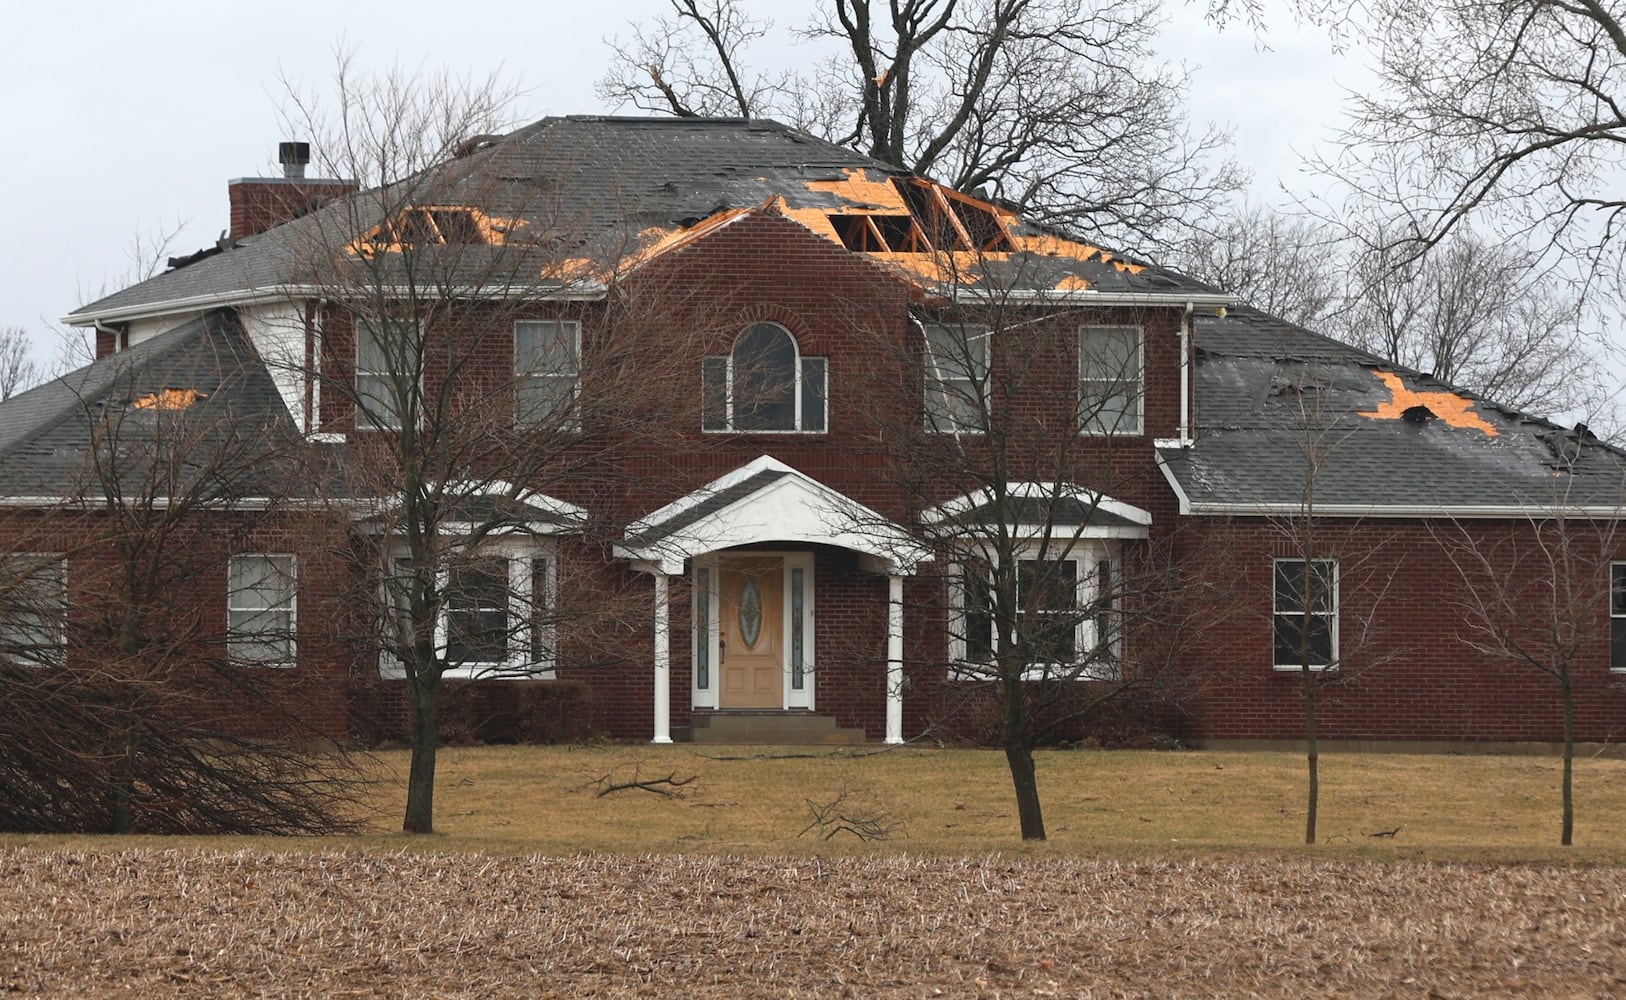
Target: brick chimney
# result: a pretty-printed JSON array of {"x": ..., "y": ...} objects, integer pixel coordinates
[{"x": 258, "y": 203}]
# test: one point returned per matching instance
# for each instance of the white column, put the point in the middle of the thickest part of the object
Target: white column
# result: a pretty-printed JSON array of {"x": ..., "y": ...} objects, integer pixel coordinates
[
  {"x": 894, "y": 660},
  {"x": 663, "y": 662}
]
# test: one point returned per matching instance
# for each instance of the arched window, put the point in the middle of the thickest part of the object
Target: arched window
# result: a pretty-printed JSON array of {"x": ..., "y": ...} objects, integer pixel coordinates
[{"x": 763, "y": 384}]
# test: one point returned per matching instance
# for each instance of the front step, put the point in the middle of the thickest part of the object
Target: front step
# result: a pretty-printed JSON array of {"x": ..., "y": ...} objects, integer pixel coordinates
[{"x": 765, "y": 726}]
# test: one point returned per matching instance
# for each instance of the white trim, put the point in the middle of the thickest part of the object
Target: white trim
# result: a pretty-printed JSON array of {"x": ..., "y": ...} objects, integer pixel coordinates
[
  {"x": 293, "y": 610},
  {"x": 1615, "y": 620},
  {"x": 1180, "y": 496},
  {"x": 40, "y": 561},
  {"x": 571, "y": 417},
  {"x": 1086, "y": 558},
  {"x": 790, "y": 698},
  {"x": 1332, "y": 616},
  {"x": 524, "y": 662},
  {"x": 794, "y": 508},
  {"x": 796, "y": 394},
  {"x": 663, "y": 661},
  {"x": 894, "y": 660},
  {"x": 1502, "y": 512},
  {"x": 1139, "y": 429},
  {"x": 585, "y": 291},
  {"x": 1029, "y": 490},
  {"x": 934, "y": 379}
]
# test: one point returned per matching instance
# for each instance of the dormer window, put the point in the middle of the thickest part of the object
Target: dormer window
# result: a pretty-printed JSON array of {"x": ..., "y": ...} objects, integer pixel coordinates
[{"x": 764, "y": 384}]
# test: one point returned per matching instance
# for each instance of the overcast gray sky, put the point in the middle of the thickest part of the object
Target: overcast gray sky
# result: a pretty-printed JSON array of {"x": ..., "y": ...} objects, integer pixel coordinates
[{"x": 123, "y": 119}]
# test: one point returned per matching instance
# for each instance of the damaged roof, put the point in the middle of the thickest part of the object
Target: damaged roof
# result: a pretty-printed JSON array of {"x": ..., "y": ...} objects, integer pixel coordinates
[
  {"x": 191, "y": 405},
  {"x": 1284, "y": 415},
  {"x": 584, "y": 196}
]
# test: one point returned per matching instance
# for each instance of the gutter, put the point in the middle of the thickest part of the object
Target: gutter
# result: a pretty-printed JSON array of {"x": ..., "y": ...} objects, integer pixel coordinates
[{"x": 585, "y": 292}]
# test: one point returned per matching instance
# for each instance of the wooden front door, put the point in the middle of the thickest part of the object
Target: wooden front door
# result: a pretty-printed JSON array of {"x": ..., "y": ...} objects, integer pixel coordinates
[{"x": 751, "y": 619}]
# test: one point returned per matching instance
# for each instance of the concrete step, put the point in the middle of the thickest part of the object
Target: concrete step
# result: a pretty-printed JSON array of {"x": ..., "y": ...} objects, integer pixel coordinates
[{"x": 773, "y": 727}]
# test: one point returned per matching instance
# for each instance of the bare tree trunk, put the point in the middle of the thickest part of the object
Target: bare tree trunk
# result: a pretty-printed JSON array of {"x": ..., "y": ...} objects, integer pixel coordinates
[
  {"x": 420, "y": 806},
  {"x": 121, "y": 817},
  {"x": 1019, "y": 756},
  {"x": 1313, "y": 759},
  {"x": 1568, "y": 833}
]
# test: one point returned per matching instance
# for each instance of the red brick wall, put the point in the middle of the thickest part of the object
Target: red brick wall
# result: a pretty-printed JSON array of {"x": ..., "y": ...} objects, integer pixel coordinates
[{"x": 1409, "y": 674}]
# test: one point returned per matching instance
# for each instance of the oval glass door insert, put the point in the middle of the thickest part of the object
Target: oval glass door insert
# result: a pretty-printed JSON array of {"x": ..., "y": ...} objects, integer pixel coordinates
[{"x": 750, "y": 612}]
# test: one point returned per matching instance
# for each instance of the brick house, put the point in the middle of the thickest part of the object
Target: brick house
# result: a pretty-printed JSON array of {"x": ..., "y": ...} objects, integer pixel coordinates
[{"x": 788, "y": 393}]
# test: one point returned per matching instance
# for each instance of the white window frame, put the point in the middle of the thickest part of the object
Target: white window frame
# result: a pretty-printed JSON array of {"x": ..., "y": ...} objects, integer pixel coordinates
[
  {"x": 1086, "y": 555},
  {"x": 706, "y": 633},
  {"x": 943, "y": 375},
  {"x": 362, "y": 330},
  {"x": 55, "y": 652},
  {"x": 1617, "y": 615},
  {"x": 1089, "y": 413},
  {"x": 524, "y": 660},
  {"x": 799, "y": 373},
  {"x": 568, "y": 420},
  {"x": 1332, "y": 615},
  {"x": 234, "y": 639}
]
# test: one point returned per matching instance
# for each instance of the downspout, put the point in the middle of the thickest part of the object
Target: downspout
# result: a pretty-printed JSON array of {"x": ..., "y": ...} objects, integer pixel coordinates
[
  {"x": 112, "y": 331},
  {"x": 1186, "y": 322}
]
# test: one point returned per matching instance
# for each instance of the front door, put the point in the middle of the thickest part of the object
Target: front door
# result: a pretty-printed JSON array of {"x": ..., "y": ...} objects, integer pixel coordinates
[{"x": 751, "y": 619}]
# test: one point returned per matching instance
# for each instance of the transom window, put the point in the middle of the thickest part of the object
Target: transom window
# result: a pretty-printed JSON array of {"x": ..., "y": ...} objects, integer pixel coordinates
[
  {"x": 956, "y": 378},
  {"x": 33, "y": 608},
  {"x": 764, "y": 384},
  {"x": 496, "y": 614},
  {"x": 1305, "y": 614},
  {"x": 386, "y": 353},
  {"x": 547, "y": 370},
  {"x": 260, "y": 609},
  {"x": 1066, "y": 614},
  {"x": 1110, "y": 383}
]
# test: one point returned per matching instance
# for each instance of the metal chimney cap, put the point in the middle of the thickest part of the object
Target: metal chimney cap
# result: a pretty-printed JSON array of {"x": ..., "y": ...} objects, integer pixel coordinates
[{"x": 293, "y": 156}]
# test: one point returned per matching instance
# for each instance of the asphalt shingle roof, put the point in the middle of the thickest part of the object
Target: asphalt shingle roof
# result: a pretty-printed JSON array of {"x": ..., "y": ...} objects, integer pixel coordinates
[
  {"x": 593, "y": 187},
  {"x": 196, "y": 396},
  {"x": 1276, "y": 403}
]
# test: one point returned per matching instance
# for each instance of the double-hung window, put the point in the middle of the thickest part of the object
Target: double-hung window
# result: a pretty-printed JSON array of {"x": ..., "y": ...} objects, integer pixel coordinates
[
  {"x": 387, "y": 356},
  {"x": 1110, "y": 380},
  {"x": 33, "y": 609},
  {"x": 260, "y": 609},
  {"x": 956, "y": 378},
  {"x": 1305, "y": 614},
  {"x": 1617, "y": 616},
  {"x": 764, "y": 384},
  {"x": 495, "y": 614},
  {"x": 547, "y": 370},
  {"x": 1065, "y": 620}
]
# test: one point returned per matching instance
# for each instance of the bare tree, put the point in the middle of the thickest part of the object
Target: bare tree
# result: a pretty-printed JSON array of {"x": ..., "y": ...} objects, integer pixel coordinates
[
  {"x": 482, "y": 369},
  {"x": 1504, "y": 115},
  {"x": 1533, "y": 600},
  {"x": 1058, "y": 109},
  {"x": 18, "y": 371},
  {"x": 1288, "y": 265},
  {"x": 1054, "y": 601},
  {"x": 136, "y": 701},
  {"x": 1322, "y": 596},
  {"x": 1474, "y": 314},
  {"x": 1477, "y": 315}
]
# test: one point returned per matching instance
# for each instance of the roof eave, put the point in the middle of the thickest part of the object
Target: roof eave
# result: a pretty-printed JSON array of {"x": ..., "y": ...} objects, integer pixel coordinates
[
  {"x": 576, "y": 292},
  {"x": 1467, "y": 511}
]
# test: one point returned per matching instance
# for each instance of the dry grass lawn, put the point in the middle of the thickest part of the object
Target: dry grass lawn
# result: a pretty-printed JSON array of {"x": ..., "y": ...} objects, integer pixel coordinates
[
  {"x": 958, "y": 802},
  {"x": 1166, "y": 875}
]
